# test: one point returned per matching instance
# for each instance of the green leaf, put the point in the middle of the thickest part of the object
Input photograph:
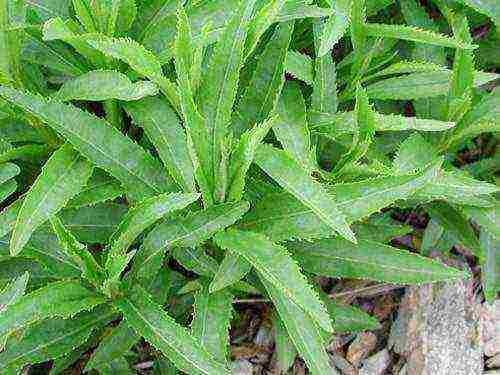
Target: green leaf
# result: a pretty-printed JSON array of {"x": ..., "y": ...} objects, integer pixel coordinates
[
  {"x": 456, "y": 188},
  {"x": 285, "y": 350},
  {"x": 261, "y": 21},
  {"x": 100, "y": 85},
  {"x": 365, "y": 120},
  {"x": 8, "y": 171},
  {"x": 487, "y": 7},
  {"x": 63, "y": 176},
  {"x": 455, "y": 224},
  {"x": 212, "y": 317},
  {"x": 370, "y": 260},
  {"x": 281, "y": 216},
  {"x": 293, "y": 178},
  {"x": 414, "y": 153},
  {"x": 99, "y": 189},
  {"x": 144, "y": 215},
  {"x": 420, "y": 85},
  {"x": 184, "y": 232},
  {"x": 490, "y": 246},
  {"x": 299, "y": 66},
  {"x": 302, "y": 330},
  {"x": 102, "y": 144},
  {"x": 260, "y": 96},
  {"x": 298, "y": 9},
  {"x": 140, "y": 59},
  {"x": 291, "y": 127},
  {"x": 324, "y": 96},
  {"x": 275, "y": 265},
  {"x": 232, "y": 269},
  {"x": 13, "y": 291},
  {"x": 483, "y": 117},
  {"x": 333, "y": 29},
  {"x": 350, "y": 319},
  {"x": 334, "y": 125},
  {"x": 196, "y": 129},
  {"x": 162, "y": 127},
  {"x": 485, "y": 217},
  {"x": 7, "y": 189},
  {"x": 196, "y": 260},
  {"x": 60, "y": 299},
  {"x": 414, "y": 34},
  {"x": 50, "y": 339},
  {"x": 92, "y": 271},
  {"x": 149, "y": 320},
  {"x": 242, "y": 157},
  {"x": 119, "y": 341},
  {"x": 219, "y": 84}
]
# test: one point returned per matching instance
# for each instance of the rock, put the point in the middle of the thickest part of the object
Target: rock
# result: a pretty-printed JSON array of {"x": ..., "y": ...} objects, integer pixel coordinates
[
  {"x": 438, "y": 330},
  {"x": 376, "y": 364},
  {"x": 241, "y": 367},
  {"x": 342, "y": 364},
  {"x": 361, "y": 347},
  {"x": 490, "y": 317},
  {"x": 493, "y": 362}
]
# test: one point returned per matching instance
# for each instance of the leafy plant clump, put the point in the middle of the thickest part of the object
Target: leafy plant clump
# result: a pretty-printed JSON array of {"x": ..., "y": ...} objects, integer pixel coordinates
[{"x": 159, "y": 159}]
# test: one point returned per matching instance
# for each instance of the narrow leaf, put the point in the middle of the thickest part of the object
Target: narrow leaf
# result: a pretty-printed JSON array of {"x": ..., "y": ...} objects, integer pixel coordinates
[
  {"x": 151, "y": 321},
  {"x": 275, "y": 265},
  {"x": 293, "y": 178},
  {"x": 102, "y": 144},
  {"x": 63, "y": 176},
  {"x": 60, "y": 299},
  {"x": 105, "y": 84},
  {"x": 163, "y": 128},
  {"x": 370, "y": 260}
]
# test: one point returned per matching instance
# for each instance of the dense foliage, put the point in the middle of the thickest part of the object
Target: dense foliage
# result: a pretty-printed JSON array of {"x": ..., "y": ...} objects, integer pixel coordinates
[{"x": 159, "y": 159}]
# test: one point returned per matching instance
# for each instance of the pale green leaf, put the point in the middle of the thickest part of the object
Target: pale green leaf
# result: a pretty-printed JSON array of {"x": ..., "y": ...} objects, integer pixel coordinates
[
  {"x": 334, "y": 125},
  {"x": 232, "y": 269},
  {"x": 152, "y": 322},
  {"x": 242, "y": 157},
  {"x": 101, "y": 143},
  {"x": 260, "y": 96},
  {"x": 100, "y": 85},
  {"x": 485, "y": 217},
  {"x": 60, "y": 299},
  {"x": 414, "y": 34},
  {"x": 275, "y": 265},
  {"x": 281, "y": 216},
  {"x": 212, "y": 317},
  {"x": 302, "y": 330},
  {"x": 119, "y": 341},
  {"x": 369, "y": 260},
  {"x": 413, "y": 154},
  {"x": 285, "y": 350},
  {"x": 299, "y": 66},
  {"x": 140, "y": 59},
  {"x": 293, "y": 178},
  {"x": 163, "y": 128},
  {"x": 291, "y": 126},
  {"x": 219, "y": 83},
  {"x": 91, "y": 270},
  {"x": 184, "y": 232},
  {"x": 145, "y": 214},
  {"x": 456, "y": 225},
  {"x": 62, "y": 177},
  {"x": 100, "y": 188},
  {"x": 350, "y": 319},
  {"x": 195, "y": 259},
  {"x": 420, "y": 85},
  {"x": 13, "y": 291},
  {"x": 490, "y": 246},
  {"x": 51, "y": 339},
  {"x": 8, "y": 171}
]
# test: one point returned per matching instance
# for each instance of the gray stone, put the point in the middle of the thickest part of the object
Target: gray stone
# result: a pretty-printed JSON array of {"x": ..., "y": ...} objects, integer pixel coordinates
[
  {"x": 376, "y": 364},
  {"x": 438, "y": 330},
  {"x": 490, "y": 317},
  {"x": 241, "y": 367}
]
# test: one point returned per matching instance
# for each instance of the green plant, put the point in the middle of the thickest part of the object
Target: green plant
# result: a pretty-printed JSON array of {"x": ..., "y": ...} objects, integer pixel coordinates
[{"x": 153, "y": 151}]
